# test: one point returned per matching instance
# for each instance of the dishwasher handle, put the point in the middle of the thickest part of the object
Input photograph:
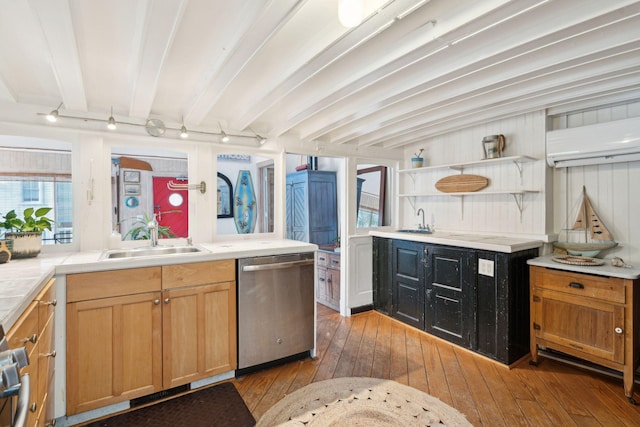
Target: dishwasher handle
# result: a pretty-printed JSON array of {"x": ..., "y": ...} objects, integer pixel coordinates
[
  {"x": 20, "y": 419},
  {"x": 278, "y": 265}
]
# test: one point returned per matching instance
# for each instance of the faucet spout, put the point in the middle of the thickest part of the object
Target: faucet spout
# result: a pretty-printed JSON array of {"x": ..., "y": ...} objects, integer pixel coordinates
[
  {"x": 421, "y": 226},
  {"x": 152, "y": 226}
]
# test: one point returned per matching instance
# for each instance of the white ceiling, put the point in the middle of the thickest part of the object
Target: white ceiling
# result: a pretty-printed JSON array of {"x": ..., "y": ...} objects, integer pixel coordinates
[{"x": 287, "y": 67}]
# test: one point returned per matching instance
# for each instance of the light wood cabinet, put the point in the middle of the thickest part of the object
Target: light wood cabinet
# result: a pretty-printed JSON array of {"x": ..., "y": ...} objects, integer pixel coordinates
[
  {"x": 594, "y": 318},
  {"x": 328, "y": 269},
  {"x": 34, "y": 330},
  {"x": 199, "y": 318},
  {"x": 135, "y": 332}
]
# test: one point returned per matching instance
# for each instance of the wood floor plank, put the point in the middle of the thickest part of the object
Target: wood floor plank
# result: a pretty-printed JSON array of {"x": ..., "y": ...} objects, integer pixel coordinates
[
  {"x": 415, "y": 363},
  {"x": 436, "y": 376},
  {"x": 382, "y": 354},
  {"x": 347, "y": 360},
  {"x": 398, "y": 369},
  {"x": 486, "y": 404},
  {"x": 364, "y": 361},
  {"x": 371, "y": 344},
  {"x": 458, "y": 386}
]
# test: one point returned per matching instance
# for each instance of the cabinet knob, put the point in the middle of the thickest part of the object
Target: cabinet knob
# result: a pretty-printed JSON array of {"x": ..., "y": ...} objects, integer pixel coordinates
[
  {"x": 33, "y": 407},
  {"x": 53, "y": 302},
  {"x": 33, "y": 338},
  {"x": 279, "y": 341},
  {"x": 52, "y": 354},
  {"x": 51, "y": 423},
  {"x": 618, "y": 330},
  {"x": 166, "y": 300},
  {"x": 156, "y": 301}
]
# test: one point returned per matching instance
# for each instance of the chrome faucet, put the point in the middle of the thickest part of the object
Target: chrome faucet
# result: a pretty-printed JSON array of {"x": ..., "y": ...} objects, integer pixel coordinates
[
  {"x": 421, "y": 226},
  {"x": 152, "y": 226}
]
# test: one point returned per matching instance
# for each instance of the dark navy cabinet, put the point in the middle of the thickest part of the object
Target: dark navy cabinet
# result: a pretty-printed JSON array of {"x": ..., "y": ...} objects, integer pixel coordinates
[
  {"x": 407, "y": 284},
  {"x": 312, "y": 207},
  {"x": 382, "y": 295},
  {"x": 450, "y": 294},
  {"x": 441, "y": 290}
]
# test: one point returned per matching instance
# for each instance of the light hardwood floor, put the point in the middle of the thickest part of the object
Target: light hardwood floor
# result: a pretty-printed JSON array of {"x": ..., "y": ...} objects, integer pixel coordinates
[{"x": 488, "y": 393}]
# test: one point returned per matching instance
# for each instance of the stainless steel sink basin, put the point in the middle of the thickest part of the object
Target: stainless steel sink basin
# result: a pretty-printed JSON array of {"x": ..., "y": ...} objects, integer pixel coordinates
[
  {"x": 414, "y": 230},
  {"x": 150, "y": 251}
]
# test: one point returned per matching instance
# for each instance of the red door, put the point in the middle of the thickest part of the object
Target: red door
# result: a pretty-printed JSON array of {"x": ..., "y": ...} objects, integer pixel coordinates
[{"x": 171, "y": 205}]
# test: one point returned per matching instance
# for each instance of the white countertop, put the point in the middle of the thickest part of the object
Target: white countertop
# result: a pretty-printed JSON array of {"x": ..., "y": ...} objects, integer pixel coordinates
[
  {"x": 465, "y": 240},
  {"x": 601, "y": 270},
  {"x": 22, "y": 279}
]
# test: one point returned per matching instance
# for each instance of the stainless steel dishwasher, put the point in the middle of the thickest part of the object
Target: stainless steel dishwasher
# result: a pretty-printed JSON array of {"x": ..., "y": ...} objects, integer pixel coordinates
[{"x": 276, "y": 308}]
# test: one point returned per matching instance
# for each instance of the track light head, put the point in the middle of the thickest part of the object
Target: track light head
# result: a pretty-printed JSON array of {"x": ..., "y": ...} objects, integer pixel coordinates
[
  {"x": 261, "y": 139},
  {"x": 183, "y": 132},
  {"x": 52, "y": 117},
  {"x": 225, "y": 137},
  {"x": 111, "y": 123}
]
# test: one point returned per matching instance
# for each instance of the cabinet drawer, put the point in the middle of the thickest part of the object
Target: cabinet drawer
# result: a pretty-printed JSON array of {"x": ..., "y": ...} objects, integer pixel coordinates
[
  {"x": 105, "y": 284},
  {"x": 25, "y": 331},
  {"x": 609, "y": 289},
  {"x": 198, "y": 273},
  {"x": 334, "y": 261},
  {"x": 323, "y": 259},
  {"x": 46, "y": 303}
]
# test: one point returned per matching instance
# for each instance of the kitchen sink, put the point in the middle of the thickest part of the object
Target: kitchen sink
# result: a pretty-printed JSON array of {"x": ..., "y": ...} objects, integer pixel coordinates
[
  {"x": 415, "y": 230},
  {"x": 150, "y": 251}
]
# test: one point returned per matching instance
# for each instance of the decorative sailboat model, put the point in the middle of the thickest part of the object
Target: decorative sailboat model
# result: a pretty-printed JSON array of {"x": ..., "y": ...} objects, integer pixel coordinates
[{"x": 596, "y": 235}]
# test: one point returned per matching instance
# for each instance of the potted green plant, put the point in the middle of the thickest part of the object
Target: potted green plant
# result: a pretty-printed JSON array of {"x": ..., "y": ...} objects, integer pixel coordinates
[
  {"x": 26, "y": 232},
  {"x": 140, "y": 229},
  {"x": 416, "y": 160}
]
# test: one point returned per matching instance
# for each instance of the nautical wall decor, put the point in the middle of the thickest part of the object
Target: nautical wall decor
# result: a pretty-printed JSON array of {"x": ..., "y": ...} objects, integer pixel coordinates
[{"x": 245, "y": 201}]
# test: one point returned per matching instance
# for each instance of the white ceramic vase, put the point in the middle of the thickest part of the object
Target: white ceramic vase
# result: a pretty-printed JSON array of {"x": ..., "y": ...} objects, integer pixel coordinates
[{"x": 26, "y": 244}]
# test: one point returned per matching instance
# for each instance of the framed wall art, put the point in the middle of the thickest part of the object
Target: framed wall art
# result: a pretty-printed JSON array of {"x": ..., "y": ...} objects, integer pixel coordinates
[
  {"x": 132, "y": 189},
  {"x": 131, "y": 176}
]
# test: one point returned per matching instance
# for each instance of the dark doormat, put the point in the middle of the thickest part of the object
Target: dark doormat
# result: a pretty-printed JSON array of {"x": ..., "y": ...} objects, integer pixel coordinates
[{"x": 219, "y": 406}]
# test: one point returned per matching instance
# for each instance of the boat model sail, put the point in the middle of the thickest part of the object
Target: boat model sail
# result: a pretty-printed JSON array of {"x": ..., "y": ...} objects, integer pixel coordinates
[{"x": 596, "y": 235}]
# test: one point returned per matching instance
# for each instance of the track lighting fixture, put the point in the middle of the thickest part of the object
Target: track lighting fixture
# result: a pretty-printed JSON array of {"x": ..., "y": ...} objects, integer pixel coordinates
[
  {"x": 53, "y": 115},
  {"x": 111, "y": 123},
  {"x": 154, "y": 127}
]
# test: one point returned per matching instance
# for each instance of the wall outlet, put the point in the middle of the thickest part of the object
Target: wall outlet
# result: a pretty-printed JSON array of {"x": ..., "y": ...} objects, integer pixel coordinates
[{"x": 485, "y": 267}]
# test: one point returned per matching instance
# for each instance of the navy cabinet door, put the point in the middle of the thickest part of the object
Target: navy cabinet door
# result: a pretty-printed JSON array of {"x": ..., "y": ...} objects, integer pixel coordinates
[
  {"x": 450, "y": 295},
  {"x": 408, "y": 282}
]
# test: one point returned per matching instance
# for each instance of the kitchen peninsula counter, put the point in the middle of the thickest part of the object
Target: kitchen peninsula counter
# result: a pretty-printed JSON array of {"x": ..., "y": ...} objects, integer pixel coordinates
[{"x": 22, "y": 279}]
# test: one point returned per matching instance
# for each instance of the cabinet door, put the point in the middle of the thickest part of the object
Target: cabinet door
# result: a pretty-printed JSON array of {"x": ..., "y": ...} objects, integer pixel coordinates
[
  {"x": 450, "y": 295},
  {"x": 114, "y": 350},
  {"x": 382, "y": 249},
  {"x": 323, "y": 207},
  {"x": 408, "y": 283},
  {"x": 199, "y": 332},
  {"x": 297, "y": 205},
  {"x": 582, "y": 327}
]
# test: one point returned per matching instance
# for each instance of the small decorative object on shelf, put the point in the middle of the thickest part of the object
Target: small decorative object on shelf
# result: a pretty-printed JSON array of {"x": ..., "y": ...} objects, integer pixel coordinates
[
  {"x": 493, "y": 146},
  {"x": 416, "y": 161}
]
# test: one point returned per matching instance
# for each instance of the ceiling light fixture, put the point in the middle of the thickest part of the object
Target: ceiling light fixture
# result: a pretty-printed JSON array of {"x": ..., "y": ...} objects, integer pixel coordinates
[
  {"x": 261, "y": 139},
  {"x": 111, "y": 123},
  {"x": 53, "y": 115},
  {"x": 350, "y": 12},
  {"x": 225, "y": 138},
  {"x": 183, "y": 131}
]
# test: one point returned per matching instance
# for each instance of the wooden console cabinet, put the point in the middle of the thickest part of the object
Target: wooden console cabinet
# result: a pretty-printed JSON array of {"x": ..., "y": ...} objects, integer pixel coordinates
[{"x": 592, "y": 317}]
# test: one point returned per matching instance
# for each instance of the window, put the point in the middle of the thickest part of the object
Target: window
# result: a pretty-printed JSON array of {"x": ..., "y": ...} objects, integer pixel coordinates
[{"x": 30, "y": 191}]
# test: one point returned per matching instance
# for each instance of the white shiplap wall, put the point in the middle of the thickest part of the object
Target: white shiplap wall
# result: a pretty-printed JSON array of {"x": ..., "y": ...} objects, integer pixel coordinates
[
  {"x": 492, "y": 214},
  {"x": 614, "y": 189}
]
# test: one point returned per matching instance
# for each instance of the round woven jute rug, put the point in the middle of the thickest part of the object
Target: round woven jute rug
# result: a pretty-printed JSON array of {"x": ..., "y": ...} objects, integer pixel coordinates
[{"x": 360, "y": 402}]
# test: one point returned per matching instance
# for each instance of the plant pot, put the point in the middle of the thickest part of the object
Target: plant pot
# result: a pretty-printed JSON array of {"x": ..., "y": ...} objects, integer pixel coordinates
[
  {"x": 416, "y": 162},
  {"x": 26, "y": 244}
]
